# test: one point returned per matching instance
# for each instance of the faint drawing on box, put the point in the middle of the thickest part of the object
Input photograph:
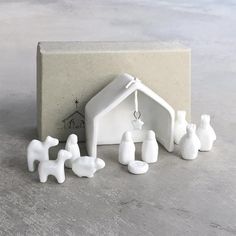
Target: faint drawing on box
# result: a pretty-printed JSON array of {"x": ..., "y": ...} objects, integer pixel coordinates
[{"x": 75, "y": 122}]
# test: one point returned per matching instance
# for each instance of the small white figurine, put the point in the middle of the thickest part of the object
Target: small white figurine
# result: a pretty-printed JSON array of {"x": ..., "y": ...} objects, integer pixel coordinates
[
  {"x": 206, "y": 133},
  {"x": 55, "y": 168},
  {"x": 38, "y": 151},
  {"x": 86, "y": 166},
  {"x": 150, "y": 148},
  {"x": 126, "y": 149},
  {"x": 138, "y": 167},
  {"x": 180, "y": 126},
  {"x": 190, "y": 143},
  {"x": 72, "y": 147}
]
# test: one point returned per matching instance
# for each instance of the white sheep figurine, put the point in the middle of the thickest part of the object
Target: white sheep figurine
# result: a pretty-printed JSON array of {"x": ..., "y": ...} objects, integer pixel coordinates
[
  {"x": 55, "y": 168},
  {"x": 38, "y": 151}
]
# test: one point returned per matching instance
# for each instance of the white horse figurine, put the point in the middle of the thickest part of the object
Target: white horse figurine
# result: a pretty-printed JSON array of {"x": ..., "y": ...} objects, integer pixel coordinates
[
  {"x": 55, "y": 168},
  {"x": 38, "y": 151}
]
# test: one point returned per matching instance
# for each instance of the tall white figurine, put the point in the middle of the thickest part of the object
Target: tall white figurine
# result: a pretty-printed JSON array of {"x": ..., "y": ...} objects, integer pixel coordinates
[
  {"x": 38, "y": 151},
  {"x": 190, "y": 143},
  {"x": 72, "y": 147},
  {"x": 206, "y": 133},
  {"x": 180, "y": 126},
  {"x": 55, "y": 168},
  {"x": 126, "y": 149},
  {"x": 150, "y": 148}
]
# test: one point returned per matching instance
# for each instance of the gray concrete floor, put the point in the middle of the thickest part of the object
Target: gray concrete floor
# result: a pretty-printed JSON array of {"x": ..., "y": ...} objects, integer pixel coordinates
[{"x": 175, "y": 197}]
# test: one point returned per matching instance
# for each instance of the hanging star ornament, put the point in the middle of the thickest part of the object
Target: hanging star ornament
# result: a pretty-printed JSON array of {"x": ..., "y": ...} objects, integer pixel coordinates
[{"x": 137, "y": 123}]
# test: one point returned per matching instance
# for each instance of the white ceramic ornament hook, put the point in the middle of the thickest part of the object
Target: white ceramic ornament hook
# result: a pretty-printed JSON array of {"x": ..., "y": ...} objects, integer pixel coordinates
[
  {"x": 72, "y": 147},
  {"x": 190, "y": 143},
  {"x": 38, "y": 151},
  {"x": 206, "y": 133},
  {"x": 180, "y": 126},
  {"x": 86, "y": 166},
  {"x": 126, "y": 149},
  {"x": 55, "y": 168},
  {"x": 150, "y": 148}
]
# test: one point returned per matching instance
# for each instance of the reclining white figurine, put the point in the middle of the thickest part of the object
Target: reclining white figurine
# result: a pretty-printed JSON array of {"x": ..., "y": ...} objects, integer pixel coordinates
[
  {"x": 55, "y": 168},
  {"x": 86, "y": 166},
  {"x": 38, "y": 151},
  {"x": 72, "y": 147}
]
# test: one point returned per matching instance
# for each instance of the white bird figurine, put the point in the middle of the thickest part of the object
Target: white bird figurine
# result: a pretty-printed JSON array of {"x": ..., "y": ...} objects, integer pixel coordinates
[
  {"x": 180, "y": 126},
  {"x": 206, "y": 133},
  {"x": 190, "y": 143}
]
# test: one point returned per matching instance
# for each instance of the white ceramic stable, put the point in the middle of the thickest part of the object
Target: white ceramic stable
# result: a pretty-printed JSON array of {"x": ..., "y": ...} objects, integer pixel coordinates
[
  {"x": 138, "y": 167},
  {"x": 110, "y": 113},
  {"x": 72, "y": 147},
  {"x": 190, "y": 143},
  {"x": 38, "y": 151},
  {"x": 150, "y": 148},
  {"x": 86, "y": 166},
  {"x": 55, "y": 168},
  {"x": 206, "y": 133},
  {"x": 180, "y": 126},
  {"x": 126, "y": 149}
]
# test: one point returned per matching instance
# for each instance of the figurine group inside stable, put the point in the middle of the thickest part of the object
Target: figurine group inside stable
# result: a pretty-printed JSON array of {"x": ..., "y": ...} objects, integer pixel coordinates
[{"x": 154, "y": 120}]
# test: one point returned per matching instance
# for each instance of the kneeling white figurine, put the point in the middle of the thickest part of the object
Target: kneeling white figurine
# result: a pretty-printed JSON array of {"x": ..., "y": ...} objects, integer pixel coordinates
[
  {"x": 190, "y": 143},
  {"x": 150, "y": 148},
  {"x": 86, "y": 166},
  {"x": 38, "y": 151},
  {"x": 206, "y": 134},
  {"x": 55, "y": 168},
  {"x": 72, "y": 147}
]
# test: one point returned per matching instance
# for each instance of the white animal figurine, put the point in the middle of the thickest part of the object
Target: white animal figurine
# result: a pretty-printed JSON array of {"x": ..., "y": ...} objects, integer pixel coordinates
[
  {"x": 150, "y": 148},
  {"x": 126, "y": 149},
  {"x": 180, "y": 126},
  {"x": 55, "y": 168},
  {"x": 86, "y": 166},
  {"x": 38, "y": 151},
  {"x": 190, "y": 143},
  {"x": 206, "y": 133},
  {"x": 73, "y": 148}
]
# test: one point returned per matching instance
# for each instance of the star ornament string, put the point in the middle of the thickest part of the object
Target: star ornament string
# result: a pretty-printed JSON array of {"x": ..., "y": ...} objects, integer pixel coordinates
[{"x": 137, "y": 122}]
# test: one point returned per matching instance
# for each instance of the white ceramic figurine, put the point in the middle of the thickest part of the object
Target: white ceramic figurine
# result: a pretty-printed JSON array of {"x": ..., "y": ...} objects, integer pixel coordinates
[
  {"x": 180, "y": 126},
  {"x": 138, "y": 167},
  {"x": 150, "y": 148},
  {"x": 72, "y": 147},
  {"x": 126, "y": 149},
  {"x": 38, "y": 151},
  {"x": 206, "y": 133},
  {"x": 86, "y": 166},
  {"x": 55, "y": 168},
  {"x": 190, "y": 143}
]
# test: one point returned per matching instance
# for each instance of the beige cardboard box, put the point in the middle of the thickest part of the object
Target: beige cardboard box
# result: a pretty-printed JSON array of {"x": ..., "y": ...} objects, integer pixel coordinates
[{"x": 70, "y": 73}]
